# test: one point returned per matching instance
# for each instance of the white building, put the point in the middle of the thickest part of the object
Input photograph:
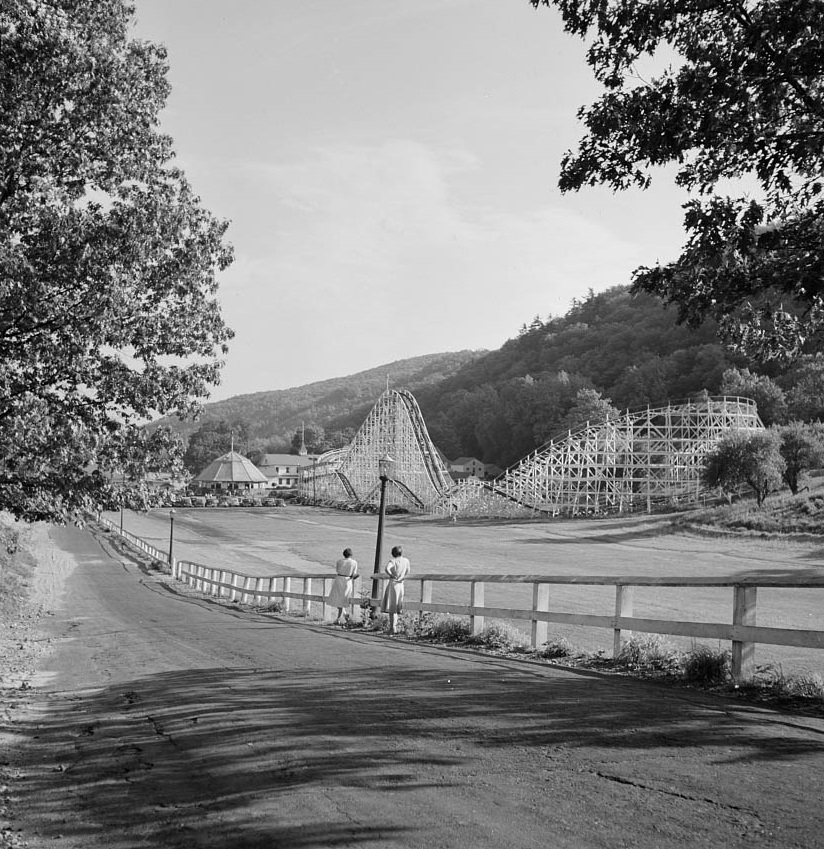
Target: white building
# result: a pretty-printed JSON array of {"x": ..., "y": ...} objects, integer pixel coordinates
[
  {"x": 231, "y": 473},
  {"x": 283, "y": 470}
]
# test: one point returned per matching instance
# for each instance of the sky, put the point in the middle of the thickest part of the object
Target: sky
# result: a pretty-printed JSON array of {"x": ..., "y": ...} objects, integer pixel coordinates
[{"x": 389, "y": 169}]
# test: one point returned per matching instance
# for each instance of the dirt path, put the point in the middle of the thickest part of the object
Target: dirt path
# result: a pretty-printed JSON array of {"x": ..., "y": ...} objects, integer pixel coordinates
[{"x": 162, "y": 720}]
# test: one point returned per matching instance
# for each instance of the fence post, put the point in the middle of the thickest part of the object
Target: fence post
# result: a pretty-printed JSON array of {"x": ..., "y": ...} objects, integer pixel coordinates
[
  {"x": 287, "y": 588},
  {"x": 743, "y": 613},
  {"x": 357, "y": 612},
  {"x": 273, "y": 586},
  {"x": 540, "y": 602},
  {"x": 476, "y": 623},
  {"x": 426, "y": 596},
  {"x": 307, "y": 591},
  {"x": 623, "y": 607}
]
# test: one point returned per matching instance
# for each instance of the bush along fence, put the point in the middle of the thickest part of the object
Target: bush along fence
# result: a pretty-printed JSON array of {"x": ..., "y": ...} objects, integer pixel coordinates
[{"x": 309, "y": 591}]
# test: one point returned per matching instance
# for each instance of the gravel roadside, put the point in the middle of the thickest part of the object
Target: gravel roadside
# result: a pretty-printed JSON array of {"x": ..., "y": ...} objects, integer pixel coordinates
[{"x": 32, "y": 575}]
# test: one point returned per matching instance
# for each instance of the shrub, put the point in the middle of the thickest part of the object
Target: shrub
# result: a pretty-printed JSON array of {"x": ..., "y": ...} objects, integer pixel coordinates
[
  {"x": 559, "y": 647},
  {"x": 443, "y": 628},
  {"x": 499, "y": 635},
  {"x": 807, "y": 686},
  {"x": 706, "y": 666},
  {"x": 648, "y": 653},
  {"x": 774, "y": 681}
]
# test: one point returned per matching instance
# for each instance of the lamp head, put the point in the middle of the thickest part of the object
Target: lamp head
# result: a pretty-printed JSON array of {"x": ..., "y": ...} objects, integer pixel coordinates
[
  {"x": 386, "y": 465},
  {"x": 172, "y": 513}
]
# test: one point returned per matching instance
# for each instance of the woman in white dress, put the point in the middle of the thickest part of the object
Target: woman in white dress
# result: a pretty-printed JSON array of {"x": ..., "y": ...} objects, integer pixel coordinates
[
  {"x": 343, "y": 587},
  {"x": 397, "y": 569}
]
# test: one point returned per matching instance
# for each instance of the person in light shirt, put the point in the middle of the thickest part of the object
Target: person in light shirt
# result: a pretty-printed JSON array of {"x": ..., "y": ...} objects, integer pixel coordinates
[
  {"x": 343, "y": 587},
  {"x": 397, "y": 569}
]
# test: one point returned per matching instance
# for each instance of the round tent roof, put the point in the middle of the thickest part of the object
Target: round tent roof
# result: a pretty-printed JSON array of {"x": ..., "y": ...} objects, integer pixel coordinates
[{"x": 232, "y": 468}]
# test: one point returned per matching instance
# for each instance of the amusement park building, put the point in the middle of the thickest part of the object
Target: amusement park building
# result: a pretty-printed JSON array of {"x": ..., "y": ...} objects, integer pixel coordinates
[
  {"x": 231, "y": 472},
  {"x": 283, "y": 470}
]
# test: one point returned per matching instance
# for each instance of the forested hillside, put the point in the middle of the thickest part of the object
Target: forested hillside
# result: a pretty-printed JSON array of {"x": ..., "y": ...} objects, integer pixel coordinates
[
  {"x": 611, "y": 351},
  {"x": 267, "y": 421},
  {"x": 629, "y": 348}
]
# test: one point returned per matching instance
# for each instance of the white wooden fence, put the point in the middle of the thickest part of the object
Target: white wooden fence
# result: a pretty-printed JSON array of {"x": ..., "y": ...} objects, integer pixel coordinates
[{"x": 312, "y": 590}]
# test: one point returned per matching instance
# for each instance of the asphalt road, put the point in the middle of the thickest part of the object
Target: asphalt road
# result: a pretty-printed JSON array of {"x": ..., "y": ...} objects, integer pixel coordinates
[{"x": 167, "y": 721}]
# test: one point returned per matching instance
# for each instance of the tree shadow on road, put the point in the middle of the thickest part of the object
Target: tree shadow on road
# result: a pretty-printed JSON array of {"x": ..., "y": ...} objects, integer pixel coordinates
[{"x": 181, "y": 756}]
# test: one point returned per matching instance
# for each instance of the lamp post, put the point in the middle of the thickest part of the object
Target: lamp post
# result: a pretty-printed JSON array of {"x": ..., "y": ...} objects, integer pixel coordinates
[
  {"x": 385, "y": 467},
  {"x": 172, "y": 541}
]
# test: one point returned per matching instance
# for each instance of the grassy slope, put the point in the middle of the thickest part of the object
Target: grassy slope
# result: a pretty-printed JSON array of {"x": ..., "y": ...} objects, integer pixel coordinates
[
  {"x": 16, "y": 566},
  {"x": 782, "y": 513}
]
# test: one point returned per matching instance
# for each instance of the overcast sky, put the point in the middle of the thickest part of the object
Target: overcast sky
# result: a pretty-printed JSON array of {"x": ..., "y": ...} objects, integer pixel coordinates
[{"x": 389, "y": 168}]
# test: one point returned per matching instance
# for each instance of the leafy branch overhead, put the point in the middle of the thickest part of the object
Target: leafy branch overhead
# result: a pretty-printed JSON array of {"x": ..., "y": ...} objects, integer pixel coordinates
[
  {"x": 738, "y": 102},
  {"x": 108, "y": 261}
]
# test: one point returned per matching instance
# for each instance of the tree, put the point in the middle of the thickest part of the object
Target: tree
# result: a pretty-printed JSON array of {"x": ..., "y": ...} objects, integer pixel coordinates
[
  {"x": 802, "y": 447},
  {"x": 313, "y": 438},
  {"x": 108, "y": 261},
  {"x": 743, "y": 457},
  {"x": 589, "y": 408},
  {"x": 211, "y": 440},
  {"x": 767, "y": 394},
  {"x": 742, "y": 101},
  {"x": 805, "y": 397}
]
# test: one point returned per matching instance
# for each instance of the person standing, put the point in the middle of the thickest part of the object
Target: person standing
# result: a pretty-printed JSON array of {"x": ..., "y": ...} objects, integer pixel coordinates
[
  {"x": 397, "y": 569},
  {"x": 343, "y": 587}
]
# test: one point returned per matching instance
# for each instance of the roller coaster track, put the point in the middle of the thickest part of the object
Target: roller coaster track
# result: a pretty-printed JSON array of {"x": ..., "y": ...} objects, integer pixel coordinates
[
  {"x": 638, "y": 460},
  {"x": 631, "y": 462},
  {"x": 395, "y": 427}
]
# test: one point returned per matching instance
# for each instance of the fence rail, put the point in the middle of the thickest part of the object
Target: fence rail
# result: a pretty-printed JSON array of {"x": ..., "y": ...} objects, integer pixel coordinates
[
  {"x": 137, "y": 542},
  {"x": 741, "y": 631}
]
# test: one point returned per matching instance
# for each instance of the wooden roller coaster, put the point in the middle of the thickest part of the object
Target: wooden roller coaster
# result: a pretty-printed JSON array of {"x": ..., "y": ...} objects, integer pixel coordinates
[{"x": 640, "y": 460}]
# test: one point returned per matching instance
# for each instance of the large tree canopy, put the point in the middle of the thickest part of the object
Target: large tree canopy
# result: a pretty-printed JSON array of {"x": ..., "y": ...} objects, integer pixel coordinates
[
  {"x": 740, "y": 103},
  {"x": 108, "y": 261}
]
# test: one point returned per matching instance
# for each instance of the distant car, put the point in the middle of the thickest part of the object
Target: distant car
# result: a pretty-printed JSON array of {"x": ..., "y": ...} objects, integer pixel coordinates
[
  {"x": 198, "y": 501},
  {"x": 183, "y": 501},
  {"x": 229, "y": 501}
]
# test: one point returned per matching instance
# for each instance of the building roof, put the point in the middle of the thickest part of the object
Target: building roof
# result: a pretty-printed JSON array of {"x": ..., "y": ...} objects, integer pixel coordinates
[
  {"x": 286, "y": 460},
  {"x": 232, "y": 467}
]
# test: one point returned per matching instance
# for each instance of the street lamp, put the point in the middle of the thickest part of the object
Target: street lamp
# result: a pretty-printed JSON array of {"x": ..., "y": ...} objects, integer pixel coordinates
[
  {"x": 385, "y": 467},
  {"x": 172, "y": 541}
]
